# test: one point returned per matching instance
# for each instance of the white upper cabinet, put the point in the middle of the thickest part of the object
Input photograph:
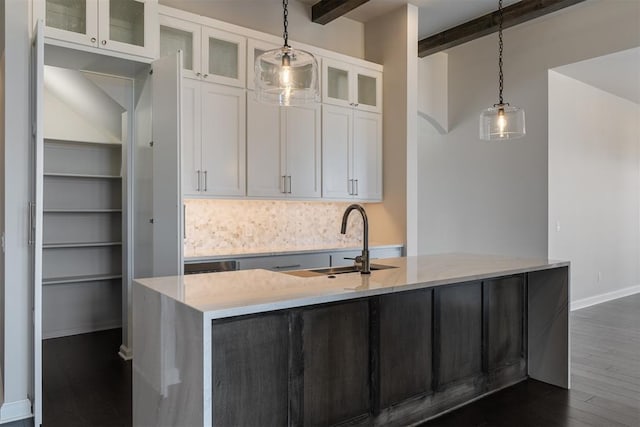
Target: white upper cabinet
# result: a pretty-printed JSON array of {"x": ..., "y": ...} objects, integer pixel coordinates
[
  {"x": 213, "y": 140},
  {"x": 349, "y": 85},
  {"x": 223, "y": 57},
  {"x": 122, "y": 26},
  {"x": 209, "y": 54},
  {"x": 351, "y": 154},
  {"x": 177, "y": 34},
  {"x": 283, "y": 151},
  {"x": 255, "y": 48}
]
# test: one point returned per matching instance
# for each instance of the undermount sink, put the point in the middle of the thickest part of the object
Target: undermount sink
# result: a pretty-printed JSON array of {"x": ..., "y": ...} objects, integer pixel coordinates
[{"x": 335, "y": 270}]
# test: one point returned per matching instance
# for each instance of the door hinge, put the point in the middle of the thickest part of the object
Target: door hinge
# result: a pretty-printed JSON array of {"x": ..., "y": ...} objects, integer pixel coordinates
[
  {"x": 150, "y": 220},
  {"x": 151, "y": 72},
  {"x": 150, "y": 143}
]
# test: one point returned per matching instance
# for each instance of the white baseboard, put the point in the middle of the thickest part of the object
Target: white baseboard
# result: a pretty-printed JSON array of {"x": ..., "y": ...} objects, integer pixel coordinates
[
  {"x": 620, "y": 293},
  {"x": 15, "y": 411},
  {"x": 125, "y": 353}
]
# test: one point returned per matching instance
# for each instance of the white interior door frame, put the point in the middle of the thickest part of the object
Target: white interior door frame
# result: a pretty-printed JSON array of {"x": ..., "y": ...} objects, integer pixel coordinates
[{"x": 35, "y": 211}]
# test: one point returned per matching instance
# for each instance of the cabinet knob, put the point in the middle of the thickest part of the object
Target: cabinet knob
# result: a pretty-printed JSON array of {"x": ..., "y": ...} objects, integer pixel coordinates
[
  {"x": 104, "y": 42},
  {"x": 198, "y": 74},
  {"x": 93, "y": 39},
  {"x": 205, "y": 75}
]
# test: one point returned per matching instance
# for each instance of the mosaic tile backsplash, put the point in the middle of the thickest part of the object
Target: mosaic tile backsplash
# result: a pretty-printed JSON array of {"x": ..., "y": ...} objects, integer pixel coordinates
[{"x": 226, "y": 227}]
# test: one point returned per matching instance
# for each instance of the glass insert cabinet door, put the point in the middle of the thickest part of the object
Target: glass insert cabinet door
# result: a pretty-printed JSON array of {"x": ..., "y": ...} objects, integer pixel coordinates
[
  {"x": 348, "y": 85},
  {"x": 223, "y": 57},
  {"x": 176, "y": 34},
  {"x": 127, "y": 26},
  {"x": 71, "y": 20},
  {"x": 119, "y": 25},
  {"x": 255, "y": 48}
]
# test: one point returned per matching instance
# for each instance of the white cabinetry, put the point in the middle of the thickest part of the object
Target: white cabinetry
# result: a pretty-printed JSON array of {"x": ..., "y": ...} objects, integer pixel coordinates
[
  {"x": 124, "y": 26},
  {"x": 352, "y": 154},
  {"x": 213, "y": 139},
  {"x": 209, "y": 54},
  {"x": 255, "y": 48},
  {"x": 350, "y": 85},
  {"x": 283, "y": 151}
]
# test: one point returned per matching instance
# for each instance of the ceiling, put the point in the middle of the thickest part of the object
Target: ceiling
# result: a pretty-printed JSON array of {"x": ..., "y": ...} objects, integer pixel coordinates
[
  {"x": 434, "y": 15},
  {"x": 617, "y": 73}
]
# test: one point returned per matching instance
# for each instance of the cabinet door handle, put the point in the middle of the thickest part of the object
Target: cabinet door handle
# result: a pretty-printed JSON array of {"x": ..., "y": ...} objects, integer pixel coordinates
[
  {"x": 282, "y": 267},
  {"x": 198, "y": 181},
  {"x": 289, "y": 185},
  {"x": 350, "y": 187},
  {"x": 356, "y": 187},
  {"x": 184, "y": 221},
  {"x": 284, "y": 184},
  {"x": 205, "y": 181}
]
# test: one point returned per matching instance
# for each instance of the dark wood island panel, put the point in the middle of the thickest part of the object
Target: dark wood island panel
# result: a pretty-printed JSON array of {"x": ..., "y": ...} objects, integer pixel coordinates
[
  {"x": 382, "y": 360},
  {"x": 250, "y": 375}
]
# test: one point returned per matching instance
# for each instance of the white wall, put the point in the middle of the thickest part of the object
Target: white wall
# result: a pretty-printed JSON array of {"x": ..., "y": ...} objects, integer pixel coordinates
[
  {"x": 594, "y": 187},
  {"x": 392, "y": 40},
  {"x": 18, "y": 380},
  {"x": 341, "y": 35},
  {"x": 492, "y": 197}
]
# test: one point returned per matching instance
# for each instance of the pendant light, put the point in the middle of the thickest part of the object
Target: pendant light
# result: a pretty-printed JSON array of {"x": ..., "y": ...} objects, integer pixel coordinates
[
  {"x": 285, "y": 76},
  {"x": 502, "y": 121}
]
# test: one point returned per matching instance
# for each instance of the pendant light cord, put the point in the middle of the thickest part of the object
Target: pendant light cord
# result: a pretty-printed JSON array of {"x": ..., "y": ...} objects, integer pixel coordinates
[
  {"x": 285, "y": 15},
  {"x": 500, "y": 49}
]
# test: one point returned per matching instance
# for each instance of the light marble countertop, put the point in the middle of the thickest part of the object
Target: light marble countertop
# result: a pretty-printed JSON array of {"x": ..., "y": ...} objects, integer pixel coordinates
[
  {"x": 227, "y": 294},
  {"x": 260, "y": 252}
]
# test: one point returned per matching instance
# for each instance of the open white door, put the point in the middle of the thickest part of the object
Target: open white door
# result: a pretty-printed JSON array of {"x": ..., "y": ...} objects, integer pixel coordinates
[
  {"x": 168, "y": 218},
  {"x": 35, "y": 211}
]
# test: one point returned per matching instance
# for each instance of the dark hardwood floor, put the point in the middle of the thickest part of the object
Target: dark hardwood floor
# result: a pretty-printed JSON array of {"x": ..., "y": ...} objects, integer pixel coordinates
[{"x": 87, "y": 384}]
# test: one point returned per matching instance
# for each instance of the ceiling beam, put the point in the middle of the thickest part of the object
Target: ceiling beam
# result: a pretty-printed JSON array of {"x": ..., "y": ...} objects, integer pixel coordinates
[
  {"x": 514, "y": 14},
  {"x": 326, "y": 11}
]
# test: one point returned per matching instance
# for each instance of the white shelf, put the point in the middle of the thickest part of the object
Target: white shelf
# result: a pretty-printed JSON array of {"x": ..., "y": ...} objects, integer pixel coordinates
[
  {"x": 81, "y": 211},
  {"x": 66, "y": 141},
  {"x": 79, "y": 245},
  {"x": 80, "y": 175},
  {"x": 80, "y": 279}
]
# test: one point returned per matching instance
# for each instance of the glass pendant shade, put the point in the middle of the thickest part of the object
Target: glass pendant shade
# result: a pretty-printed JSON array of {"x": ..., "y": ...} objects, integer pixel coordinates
[
  {"x": 502, "y": 122},
  {"x": 286, "y": 77}
]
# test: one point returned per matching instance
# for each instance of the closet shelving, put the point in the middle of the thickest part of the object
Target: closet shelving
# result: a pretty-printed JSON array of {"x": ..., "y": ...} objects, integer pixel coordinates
[{"x": 82, "y": 233}]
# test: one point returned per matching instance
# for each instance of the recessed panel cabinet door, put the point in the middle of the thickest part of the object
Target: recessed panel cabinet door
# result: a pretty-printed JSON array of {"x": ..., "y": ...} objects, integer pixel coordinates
[
  {"x": 191, "y": 138},
  {"x": 265, "y": 174},
  {"x": 301, "y": 133},
  {"x": 337, "y": 134},
  {"x": 223, "y": 140},
  {"x": 367, "y": 155},
  {"x": 405, "y": 345},
  {"x": 504, "y": 300},
  {"x": 458, "y": 333},
  {"x": 250, "y": 371},
  {"x": 336, "y": 363}
]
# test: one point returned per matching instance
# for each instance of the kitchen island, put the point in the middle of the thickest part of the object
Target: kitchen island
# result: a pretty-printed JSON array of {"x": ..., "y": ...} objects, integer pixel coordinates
[{"x": 395, "y": 347}]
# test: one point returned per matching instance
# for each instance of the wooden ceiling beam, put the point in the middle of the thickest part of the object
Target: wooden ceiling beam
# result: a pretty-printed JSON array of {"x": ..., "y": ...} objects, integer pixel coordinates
[
  {"x": 514, "y": 14},
  {"x": 326, "y": 11}
]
